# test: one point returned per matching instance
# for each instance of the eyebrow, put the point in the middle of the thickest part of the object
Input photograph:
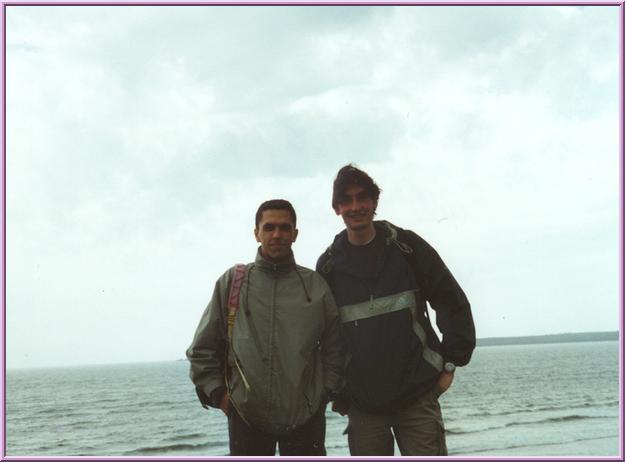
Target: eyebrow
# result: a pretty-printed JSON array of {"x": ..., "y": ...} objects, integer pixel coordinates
[
  {"x": 358, "y": 195},
  {"x": 282, "y": 225}
]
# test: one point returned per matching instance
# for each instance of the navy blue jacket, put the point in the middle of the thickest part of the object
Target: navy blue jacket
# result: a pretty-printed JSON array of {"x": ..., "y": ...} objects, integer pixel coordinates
[{"x": 394, "y": 355}]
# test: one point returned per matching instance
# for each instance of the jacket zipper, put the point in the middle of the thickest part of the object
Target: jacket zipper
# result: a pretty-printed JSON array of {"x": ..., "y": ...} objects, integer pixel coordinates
[{"x": 271, "y": 336}]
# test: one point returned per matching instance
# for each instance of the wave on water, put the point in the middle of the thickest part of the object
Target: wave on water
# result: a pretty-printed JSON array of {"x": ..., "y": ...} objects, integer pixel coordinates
[
  {"x": 565, "y": 418},
  {"x": 65, "y": 445},
  {"x": 541, "y": 409},
  {"x": 175, "y": 447},
  {"x": 83, "y": 423},
  {"x": 522, "y": 446},
  {"x": 186, "y": 437},
  {"x": 122, "y": 410},
  {"x": 56, "y": 412},
  {"x": 549, "y": 420}
]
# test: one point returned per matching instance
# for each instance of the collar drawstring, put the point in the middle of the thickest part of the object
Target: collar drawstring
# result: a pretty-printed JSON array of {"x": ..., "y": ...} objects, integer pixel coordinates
[
  {"x": 303, "y": 285},
  {"x": 276, "y": 268},
  {"x": 247, "y": 291}
]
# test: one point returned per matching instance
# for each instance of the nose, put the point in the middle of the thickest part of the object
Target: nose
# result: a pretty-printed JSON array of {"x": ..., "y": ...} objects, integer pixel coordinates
[
  {"x": 354, "y": 203},
  {"x": 276, "y": 232}
]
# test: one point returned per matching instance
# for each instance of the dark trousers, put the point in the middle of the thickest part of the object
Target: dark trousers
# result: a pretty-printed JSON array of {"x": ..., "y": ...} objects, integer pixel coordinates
[{"x": 308, "y": 440}]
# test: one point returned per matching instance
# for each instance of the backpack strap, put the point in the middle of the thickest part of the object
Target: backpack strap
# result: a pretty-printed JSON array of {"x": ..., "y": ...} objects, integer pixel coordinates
[
  {"x": 392, "y": 238},
  {"x": 409, "y": 254},
  {"x": 233, "y": 305},
  {"x": 233, "y": 297},
  {"x": 328, "y": 261}
]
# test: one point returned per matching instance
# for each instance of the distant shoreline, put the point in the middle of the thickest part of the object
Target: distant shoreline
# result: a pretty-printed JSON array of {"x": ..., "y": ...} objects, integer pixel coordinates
[
  {"x": 552, "y": 338},
  {"x": 481, "y": 342}
]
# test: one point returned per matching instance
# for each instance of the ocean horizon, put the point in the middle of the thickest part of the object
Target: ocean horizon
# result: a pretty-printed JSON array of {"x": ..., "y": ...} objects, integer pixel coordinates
[{"x": 566, "y": 337}]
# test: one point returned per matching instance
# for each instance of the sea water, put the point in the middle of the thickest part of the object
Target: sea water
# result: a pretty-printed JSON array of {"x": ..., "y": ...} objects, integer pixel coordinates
[{"x": 551, "y": 399}]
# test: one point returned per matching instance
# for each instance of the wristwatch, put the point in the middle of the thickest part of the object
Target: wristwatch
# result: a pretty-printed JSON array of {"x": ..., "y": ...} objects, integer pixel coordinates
[{"x": 449, "y": 367}]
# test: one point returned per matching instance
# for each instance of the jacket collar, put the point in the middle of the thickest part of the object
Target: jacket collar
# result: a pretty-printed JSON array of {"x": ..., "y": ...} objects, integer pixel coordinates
[
  {"x": 338, "y": 249},
  {"x": 340, "y": 240},
  {"x": 281, "y": 267}
]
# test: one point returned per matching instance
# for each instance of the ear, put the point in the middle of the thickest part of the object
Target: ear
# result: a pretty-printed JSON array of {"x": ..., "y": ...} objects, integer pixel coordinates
[
  {"x": 295, "y": 233},
  {"x": 256, "y": 234}
]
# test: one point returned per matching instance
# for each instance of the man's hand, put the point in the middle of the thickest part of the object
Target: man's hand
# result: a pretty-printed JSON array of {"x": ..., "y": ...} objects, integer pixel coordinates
[
  {"x": 225, "y": 403},
  {"x": 444, "y": 382}
]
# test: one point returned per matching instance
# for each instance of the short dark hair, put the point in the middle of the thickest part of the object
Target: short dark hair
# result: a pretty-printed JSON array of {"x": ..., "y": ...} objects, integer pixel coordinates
[
  {"x": 275, "y": 204},
  {"x": 350, "y": 175}
]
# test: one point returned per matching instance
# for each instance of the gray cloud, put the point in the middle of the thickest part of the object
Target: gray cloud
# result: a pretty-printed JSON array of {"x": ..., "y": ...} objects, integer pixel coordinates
[{"x": 142, "y": 139}]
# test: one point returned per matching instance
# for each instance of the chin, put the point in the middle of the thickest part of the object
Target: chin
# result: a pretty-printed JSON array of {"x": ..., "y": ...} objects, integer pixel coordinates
[{"x": 358, "y": 227}]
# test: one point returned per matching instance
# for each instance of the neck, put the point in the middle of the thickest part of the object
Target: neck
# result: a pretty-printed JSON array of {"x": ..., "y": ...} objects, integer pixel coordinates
[
  {"x": 276, "y": 261},
  {"x": 361, "y": 236}
]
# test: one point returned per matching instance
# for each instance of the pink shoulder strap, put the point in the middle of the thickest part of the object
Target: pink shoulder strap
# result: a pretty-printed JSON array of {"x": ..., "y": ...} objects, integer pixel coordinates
[{"x": 233, "y": 297}]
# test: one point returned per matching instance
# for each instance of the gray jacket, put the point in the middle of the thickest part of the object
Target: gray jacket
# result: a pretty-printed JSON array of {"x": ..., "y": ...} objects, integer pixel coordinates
[{"x": 285, "y": 353}]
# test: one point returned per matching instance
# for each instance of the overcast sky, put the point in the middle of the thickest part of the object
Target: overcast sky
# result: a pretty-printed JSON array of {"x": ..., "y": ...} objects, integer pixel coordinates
[{"x": 141, "y": 140}]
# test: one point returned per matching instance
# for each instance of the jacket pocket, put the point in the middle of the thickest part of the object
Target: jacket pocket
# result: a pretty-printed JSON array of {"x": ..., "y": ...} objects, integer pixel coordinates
[{"x": 238, "y": 384}]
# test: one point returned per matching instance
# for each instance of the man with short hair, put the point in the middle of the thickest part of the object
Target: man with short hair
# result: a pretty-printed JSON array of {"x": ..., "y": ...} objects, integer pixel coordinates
[
  {"x": 281, "y": 364},
  {"x": 381, "y": 277}
]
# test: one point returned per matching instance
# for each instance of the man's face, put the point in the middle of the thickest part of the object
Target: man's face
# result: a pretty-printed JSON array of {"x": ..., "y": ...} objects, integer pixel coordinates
[
  {"x": 276, "y": 233},
  {"x": 356, "y": 207}
]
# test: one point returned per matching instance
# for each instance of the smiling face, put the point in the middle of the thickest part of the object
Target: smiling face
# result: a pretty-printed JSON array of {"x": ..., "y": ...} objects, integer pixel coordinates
[
  {"x": 276, "y": 233},
  {"x": 356, "y": 207}
]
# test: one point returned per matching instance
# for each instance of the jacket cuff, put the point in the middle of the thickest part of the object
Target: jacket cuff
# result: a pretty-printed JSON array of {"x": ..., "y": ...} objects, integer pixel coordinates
[
  {"x": 205, "y": 392},
  {"x": 458, "y": 361}
]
